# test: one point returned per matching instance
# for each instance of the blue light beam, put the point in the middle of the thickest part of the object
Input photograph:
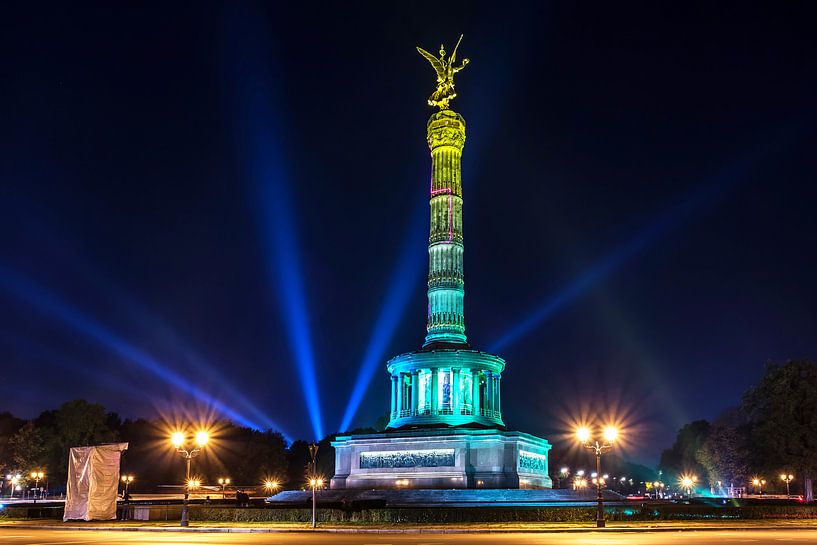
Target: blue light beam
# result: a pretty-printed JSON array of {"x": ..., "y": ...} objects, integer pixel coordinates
[
  {"x": 703, "y": 196},
  {"x": 47, "y": 303},
  {"x": 257, "y": 111},
  {"x": 404, "y": 279},
  {"x": 283, "y": 264}
]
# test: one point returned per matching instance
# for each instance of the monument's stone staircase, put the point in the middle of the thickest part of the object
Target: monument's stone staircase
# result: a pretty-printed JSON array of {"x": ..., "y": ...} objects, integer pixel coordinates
[{"x": 440, "y": 498}]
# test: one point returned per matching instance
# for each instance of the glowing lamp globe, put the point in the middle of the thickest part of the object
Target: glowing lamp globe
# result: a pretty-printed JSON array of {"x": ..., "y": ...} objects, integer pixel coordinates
[
  {"x": 177, "y": 439},
  {"x": 583, "y": 434},
  {"x": 201, "y": 438},
  {"x": 610, "y": 434}
]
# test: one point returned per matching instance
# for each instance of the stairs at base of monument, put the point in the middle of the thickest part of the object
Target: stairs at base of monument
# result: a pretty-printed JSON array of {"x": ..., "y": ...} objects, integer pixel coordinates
[{"x": 440, "y": 498}]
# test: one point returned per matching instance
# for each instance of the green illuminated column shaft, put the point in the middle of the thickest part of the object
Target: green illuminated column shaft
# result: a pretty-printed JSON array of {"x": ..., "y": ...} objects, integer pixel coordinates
[{"x": 446, "y": 321}]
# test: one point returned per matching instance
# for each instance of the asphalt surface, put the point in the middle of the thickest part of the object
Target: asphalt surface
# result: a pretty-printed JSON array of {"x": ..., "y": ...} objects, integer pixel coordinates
[{"x": 20, "y": 536}]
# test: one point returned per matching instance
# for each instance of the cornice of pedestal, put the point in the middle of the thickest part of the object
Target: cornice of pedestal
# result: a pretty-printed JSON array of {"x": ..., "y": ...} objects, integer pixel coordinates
[{"x": 446, "y": 358}]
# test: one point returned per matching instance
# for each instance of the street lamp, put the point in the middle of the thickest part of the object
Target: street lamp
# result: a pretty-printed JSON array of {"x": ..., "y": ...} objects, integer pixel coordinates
[
  {"x": 126, "y": 480},
  {"x": 13, "y": 479},
  {"x": 787, "y": 478},
  {"x": 37, "y": 475},
  {"x": 610, "y": 434},
  {"x": 758, "y": 484},
  {"x": 687, "y": 482},
  {"x": 270, "y": 485},
  {"x": 179, "y": 441},
  {"x": 224, "y": 481},
  {"x": 564, "y": 473},
  {"x": 314, "y": 481}
]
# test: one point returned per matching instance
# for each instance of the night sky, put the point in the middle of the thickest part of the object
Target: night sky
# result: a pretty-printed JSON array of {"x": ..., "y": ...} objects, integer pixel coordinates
[{"x": 209, "y": 207}]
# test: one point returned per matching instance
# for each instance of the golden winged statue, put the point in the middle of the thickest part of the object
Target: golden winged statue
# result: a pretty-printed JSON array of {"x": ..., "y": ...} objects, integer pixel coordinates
[{"x": 445, "y": 75}]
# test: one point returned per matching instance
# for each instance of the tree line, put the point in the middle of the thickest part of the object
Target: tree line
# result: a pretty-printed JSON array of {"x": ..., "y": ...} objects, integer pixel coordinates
[
  {"x": 247, "y": 456},
  {"x": 772, "y": 432}
]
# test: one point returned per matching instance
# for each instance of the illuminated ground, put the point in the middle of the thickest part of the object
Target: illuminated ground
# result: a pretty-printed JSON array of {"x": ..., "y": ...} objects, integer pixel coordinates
[{"x": 23, "y": 536}]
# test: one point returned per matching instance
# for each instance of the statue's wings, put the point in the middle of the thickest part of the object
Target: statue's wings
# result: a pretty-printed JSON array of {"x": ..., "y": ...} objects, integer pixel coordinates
[
  {"x": 454, "y": 54},
  {"x": 435, "y": 62}
]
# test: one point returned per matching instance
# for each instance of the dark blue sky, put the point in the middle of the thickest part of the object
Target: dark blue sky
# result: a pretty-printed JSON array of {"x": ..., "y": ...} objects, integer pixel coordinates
[{"x": 196, "y": 199}]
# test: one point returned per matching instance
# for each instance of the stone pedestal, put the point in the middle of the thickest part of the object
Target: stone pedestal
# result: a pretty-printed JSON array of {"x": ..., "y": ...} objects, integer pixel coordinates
[{"x": 443, "y": 458}]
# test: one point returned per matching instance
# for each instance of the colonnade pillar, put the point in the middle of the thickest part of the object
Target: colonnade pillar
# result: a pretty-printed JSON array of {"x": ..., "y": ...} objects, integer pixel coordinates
[
  {"x": 489, "y": 391},
  {"x": 455, "y": 391},
  {"x": 399, "y": 397},
  {"x": 435, "y": 390},
  {"x": 497, "y": 406},
  {"x": 475, "y": 394},
  {"x": 393, "y": 394},
  {"x": 415, "y": 391}
]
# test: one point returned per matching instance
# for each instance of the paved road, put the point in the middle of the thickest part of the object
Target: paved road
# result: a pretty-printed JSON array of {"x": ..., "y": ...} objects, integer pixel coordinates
[{"x": 20, "y": 536}]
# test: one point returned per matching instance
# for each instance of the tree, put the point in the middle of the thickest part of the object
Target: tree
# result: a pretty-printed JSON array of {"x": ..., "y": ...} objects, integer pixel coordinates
[
  {"x": 298, "y": 463},
  {"x": 28, "y": 448},
  {"x": 682, "y": 457},
  {"x": 257, "y": 455},
  {"x": 75, "y": 424},
  {"x": 724, "y": 453},
  {"x": 9, "y": 426},
  {"x": 782, "y": 413}
]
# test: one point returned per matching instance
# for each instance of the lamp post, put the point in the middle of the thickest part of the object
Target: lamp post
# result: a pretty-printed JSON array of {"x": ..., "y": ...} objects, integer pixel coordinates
[
  {"x": 13, "y": 479},
  {"x": 610, "y": 434},
  {"x": 758, "y": 484},
  {"x": 37, "y": 475},
  {"x": 313, "y": 480},
  {"x": 787, "y": 478},
  {"x": 224, "y": 482},
  {"x": 564, "y": 473},
  {"x": 126, "y": 480},
  {"x": 179, "y": 440}
]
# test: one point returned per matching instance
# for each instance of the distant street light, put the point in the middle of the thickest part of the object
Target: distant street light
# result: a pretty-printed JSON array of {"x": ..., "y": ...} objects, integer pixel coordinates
[
  {"x": 314, "y": 481},
  {"x": 224, "y": 481},
  {"x": 687, "y": 482},
  {"x": 37, "y": 475},
  {"x": 13, "y": 479},
  {"x": 563, "y": 474},
  {"x": 270, "y": 485},
  {"x": 787, "y": 478},
  {"x": 758, "y": 484},
  {"x": 126, "y": 480},
  {"x": 179, "y": 441},
  {"x": 610, "y": 434}
]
